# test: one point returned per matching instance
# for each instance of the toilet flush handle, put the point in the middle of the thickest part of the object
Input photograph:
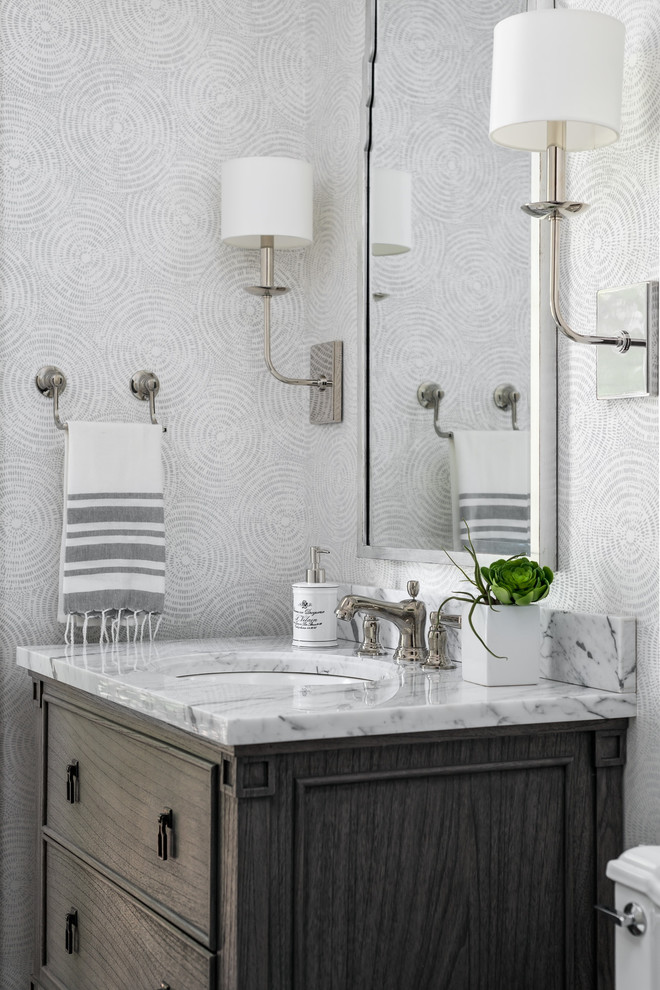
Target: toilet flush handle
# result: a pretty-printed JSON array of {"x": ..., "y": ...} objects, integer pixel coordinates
[{"x": 632, "y": 917}]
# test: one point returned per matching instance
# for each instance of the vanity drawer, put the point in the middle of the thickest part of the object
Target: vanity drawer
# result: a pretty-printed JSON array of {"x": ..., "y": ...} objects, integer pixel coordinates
[
  {"x": 106, "y": 791},
  {"x": 115, "y": 942}
]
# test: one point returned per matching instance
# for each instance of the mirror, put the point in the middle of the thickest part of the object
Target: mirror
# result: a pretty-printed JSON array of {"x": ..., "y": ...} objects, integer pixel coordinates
[{"x": 458, "y": 368}]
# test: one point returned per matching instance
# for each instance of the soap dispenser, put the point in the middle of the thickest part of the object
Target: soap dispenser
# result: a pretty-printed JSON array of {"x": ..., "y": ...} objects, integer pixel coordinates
[{"x": 314, "y": 604}]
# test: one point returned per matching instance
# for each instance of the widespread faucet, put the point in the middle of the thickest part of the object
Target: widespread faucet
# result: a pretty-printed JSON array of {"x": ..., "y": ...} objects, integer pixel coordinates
[{"x": 409, "y": 616}]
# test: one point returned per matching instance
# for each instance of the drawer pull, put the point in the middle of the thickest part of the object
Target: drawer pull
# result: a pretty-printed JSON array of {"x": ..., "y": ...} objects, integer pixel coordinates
[
  {"x": 71, "y": 778},
  {"x": 164, "y": 822},
  {"x": 71, "y": 924}
]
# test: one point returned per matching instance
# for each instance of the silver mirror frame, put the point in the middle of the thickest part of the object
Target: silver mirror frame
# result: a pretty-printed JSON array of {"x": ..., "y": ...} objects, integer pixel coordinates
[{"x": 543, "y": 371}]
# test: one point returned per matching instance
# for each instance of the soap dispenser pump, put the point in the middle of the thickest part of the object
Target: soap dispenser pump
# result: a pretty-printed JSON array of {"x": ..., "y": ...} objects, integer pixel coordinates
[{"x": 314, "y": 604}]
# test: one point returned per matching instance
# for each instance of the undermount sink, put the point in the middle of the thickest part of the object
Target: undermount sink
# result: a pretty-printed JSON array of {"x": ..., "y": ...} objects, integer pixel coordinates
[
  {"x": 276, "y": 678},
  {"x": 301, "y": 682}
]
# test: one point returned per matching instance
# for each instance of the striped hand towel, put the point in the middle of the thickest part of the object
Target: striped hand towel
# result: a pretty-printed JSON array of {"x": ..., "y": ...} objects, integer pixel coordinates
[
  {"x": 491, "y": 483},
  {"x": 113, "y": 538}
]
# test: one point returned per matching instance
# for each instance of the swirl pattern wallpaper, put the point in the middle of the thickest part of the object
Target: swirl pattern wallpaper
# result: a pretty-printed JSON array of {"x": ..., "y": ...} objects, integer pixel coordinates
[{"x": 115, "y": 118}]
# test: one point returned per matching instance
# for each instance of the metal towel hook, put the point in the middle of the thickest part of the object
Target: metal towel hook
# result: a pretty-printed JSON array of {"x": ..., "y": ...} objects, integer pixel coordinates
[
  {"x": 506, "y": 396},
  {"x": 429, "y": 394},
  {"x": 51, "y": 382},
  {"x": 145, "y": 385}
]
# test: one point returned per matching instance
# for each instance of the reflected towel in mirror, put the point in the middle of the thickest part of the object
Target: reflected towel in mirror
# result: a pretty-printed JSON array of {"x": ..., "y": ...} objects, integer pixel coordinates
[
  {"x": 112, "y": 565},
  {"x": 490, "y": 490}
]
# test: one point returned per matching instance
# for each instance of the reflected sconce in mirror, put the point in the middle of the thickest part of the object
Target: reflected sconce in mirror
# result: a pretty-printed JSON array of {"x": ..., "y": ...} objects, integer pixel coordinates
[
  {"x": 267, "y": 204},
  {"x": 391, "y": 213},
  {"x": 556, "y": 87}
]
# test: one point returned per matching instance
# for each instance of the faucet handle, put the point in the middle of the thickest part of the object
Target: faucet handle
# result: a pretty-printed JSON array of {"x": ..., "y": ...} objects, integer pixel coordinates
[
  {"x": 437, "y": 657},
  {"x": 370, "y": 646},
  {"x": 413, "y": 588}
]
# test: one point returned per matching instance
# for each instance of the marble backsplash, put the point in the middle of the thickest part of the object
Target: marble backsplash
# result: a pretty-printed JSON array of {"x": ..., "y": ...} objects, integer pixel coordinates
[{"x": 587, "y": 648}]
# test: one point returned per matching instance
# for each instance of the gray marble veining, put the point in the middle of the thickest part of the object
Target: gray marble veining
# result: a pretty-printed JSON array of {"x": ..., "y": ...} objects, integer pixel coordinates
[
  {"x": 175, "y": 683},
  {"x": 591, "y": 649}
]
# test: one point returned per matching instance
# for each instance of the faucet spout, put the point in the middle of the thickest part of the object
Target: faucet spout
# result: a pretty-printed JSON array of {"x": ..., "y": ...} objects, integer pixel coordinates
[{"x": 409, "y": 616}]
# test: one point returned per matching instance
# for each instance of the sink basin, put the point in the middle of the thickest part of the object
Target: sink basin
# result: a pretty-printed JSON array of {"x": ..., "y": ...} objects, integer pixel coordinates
[
  {"x": 307, "y": 682},
  {"x": 275, "y": 678}
]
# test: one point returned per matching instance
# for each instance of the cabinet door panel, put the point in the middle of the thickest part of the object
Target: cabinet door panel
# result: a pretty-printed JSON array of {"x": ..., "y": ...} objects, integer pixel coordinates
[
  {"x": 115, "y": 943},
  {"x": 110, "y": 810},
  {"x": 473, "y": 897}
]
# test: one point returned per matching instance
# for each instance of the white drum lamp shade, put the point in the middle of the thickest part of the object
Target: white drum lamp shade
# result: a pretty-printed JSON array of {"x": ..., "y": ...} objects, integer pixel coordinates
[
  {"x": 391, "y": 214},
  {"x": 267, "y": 197},
  {"x": 557, "y": 80}
]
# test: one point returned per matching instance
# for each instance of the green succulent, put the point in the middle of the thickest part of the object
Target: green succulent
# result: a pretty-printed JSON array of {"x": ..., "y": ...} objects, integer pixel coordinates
[{"x": 518, "y": 581}]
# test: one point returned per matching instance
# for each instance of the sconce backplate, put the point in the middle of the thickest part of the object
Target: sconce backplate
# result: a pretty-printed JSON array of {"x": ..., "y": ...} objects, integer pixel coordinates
[
  {"x": 326, "y": 361},
  {"x": 633, "y": 308}
]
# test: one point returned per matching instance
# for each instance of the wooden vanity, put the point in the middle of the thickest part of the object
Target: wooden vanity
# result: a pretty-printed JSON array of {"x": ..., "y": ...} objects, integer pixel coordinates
[{"x": 462, "y": 859}]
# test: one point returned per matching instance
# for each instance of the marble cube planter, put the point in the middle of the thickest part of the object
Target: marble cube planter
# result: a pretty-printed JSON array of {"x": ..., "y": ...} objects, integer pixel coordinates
[{"x": 514, "y": 634}]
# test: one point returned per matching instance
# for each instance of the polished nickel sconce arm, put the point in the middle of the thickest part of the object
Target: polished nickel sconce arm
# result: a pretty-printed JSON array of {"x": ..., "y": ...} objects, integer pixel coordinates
[
  {"x": 554, "y": 209},
  {"x": 622, "y": 342},
  {"x": 267, "y": 290}
]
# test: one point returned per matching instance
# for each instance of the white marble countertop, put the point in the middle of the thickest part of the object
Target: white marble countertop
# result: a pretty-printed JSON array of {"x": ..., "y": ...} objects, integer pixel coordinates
[{"x": 177, "y": 682}]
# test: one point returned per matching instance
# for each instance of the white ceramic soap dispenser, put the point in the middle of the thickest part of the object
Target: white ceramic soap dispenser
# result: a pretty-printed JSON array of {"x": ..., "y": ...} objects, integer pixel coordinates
[{"x": 314, "y": 604}]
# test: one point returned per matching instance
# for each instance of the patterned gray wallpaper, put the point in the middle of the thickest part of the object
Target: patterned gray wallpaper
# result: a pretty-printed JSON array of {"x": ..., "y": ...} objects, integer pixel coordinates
[{"x": 115, "y": 118}]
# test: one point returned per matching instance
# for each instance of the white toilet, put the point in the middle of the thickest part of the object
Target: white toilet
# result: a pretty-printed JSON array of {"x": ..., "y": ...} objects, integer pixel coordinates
[{"x": 636, "y": 875}]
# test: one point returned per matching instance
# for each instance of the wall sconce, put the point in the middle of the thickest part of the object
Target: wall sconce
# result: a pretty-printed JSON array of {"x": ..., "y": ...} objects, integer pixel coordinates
[
  {"x": 267, "y": 204},
  {"x": 556, "y": 87},
  {"x": 391, "y": 213}
]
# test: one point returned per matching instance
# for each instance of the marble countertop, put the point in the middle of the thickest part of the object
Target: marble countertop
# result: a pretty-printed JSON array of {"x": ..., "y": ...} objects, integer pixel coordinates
[{"x": 177, "y": 682}]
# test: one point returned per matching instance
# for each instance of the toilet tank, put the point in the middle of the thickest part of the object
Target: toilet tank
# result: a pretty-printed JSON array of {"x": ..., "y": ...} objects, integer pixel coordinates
[{"x": 636, "y": 875}]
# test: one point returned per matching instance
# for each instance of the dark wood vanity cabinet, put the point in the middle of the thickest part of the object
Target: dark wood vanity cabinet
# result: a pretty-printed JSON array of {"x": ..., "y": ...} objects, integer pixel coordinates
[{"x": 463, "y": 860}]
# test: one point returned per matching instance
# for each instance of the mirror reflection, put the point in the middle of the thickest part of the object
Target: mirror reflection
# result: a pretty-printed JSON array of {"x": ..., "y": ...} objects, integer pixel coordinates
[{"x": 448, "y": 355}]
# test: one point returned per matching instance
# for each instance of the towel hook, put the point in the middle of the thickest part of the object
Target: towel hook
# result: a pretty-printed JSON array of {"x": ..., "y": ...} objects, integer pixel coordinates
[
  {"x": 429, "y": 394},
  {"x": 51, "y": 382},
  {"x": 505, "y": 396},
  {"x": 145, "y": 385}
]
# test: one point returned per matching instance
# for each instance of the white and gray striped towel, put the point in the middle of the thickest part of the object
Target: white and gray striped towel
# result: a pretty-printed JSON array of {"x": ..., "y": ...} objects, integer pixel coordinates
[
  {"x": 491, "y": 482},
  {"x": 112, "y": 563}
]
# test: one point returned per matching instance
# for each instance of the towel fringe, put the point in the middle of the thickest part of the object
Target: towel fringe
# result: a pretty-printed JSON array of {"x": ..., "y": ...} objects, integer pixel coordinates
[
  {"x": 103, "y": 636},
  {"x": 110, "y": 625},
  {"x": 116, "y": 626}
]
